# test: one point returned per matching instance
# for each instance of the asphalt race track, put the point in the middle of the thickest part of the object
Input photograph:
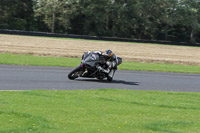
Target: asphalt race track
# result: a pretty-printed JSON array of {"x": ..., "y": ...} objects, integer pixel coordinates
[{"x": 13, "y": 77}]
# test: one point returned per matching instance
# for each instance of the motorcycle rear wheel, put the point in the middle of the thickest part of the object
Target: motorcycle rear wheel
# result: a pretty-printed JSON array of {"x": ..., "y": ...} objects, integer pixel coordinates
[
  {"x": 74, "y": 73},
  {"x": 109, "y": 79}
]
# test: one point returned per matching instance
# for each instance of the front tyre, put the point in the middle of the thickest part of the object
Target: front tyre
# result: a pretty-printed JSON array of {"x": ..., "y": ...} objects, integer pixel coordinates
[{"x": 74, "y": 73}]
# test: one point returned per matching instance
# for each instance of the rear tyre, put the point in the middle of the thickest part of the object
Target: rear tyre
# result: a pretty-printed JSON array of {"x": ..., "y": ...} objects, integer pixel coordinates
[
  {"x": 74, "y": 73},
  {"x": 109, "y": 79}
]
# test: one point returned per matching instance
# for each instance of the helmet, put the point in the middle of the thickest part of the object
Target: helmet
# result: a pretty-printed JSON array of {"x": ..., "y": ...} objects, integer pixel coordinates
[{"x": 109, "y": 53}]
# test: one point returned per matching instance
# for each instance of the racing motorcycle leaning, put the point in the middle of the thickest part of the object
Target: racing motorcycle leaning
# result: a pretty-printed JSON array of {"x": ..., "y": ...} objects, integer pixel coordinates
[{"x": 88, "y": 68}]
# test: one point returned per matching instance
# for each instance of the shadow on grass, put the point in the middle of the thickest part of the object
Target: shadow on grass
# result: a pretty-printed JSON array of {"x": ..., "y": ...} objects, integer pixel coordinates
[{"x": 112, "y": 82}]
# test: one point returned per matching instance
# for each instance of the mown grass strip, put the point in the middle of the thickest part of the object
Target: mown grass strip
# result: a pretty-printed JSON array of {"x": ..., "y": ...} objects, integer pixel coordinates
[
  {"x": 19, "y": 59},
  {"x": 103, "y": 110},
  {"x": 160, "y": 67}
]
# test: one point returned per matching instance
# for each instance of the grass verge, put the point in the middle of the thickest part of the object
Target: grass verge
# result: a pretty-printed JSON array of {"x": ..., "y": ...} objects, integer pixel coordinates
[
  {"x": 103, "y": 110},
  {"x": 18, "y": 59}
]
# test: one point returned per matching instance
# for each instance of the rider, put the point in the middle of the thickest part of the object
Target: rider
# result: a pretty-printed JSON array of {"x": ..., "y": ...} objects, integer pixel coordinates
[{"x": 110, "y": 60}]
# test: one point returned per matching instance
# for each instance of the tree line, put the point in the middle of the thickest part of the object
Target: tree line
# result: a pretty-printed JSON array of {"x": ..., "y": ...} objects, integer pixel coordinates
[{"x": 170, "y": 20}]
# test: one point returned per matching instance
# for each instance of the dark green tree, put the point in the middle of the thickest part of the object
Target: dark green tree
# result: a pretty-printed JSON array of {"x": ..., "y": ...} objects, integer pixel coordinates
[
  {"x": 16, "y": 14},
  {"x": 188, "y": 14}
]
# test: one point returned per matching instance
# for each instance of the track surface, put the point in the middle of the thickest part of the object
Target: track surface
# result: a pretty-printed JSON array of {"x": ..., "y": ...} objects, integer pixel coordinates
[{"x": 14, "y": 77}]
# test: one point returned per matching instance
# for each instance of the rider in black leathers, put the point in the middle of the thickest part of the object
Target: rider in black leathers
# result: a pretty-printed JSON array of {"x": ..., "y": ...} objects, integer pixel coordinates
[{"x": 110, "y": 61}]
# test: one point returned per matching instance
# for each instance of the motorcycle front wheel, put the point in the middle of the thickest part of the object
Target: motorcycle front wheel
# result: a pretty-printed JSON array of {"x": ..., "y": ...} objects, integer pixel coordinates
[{"x": 74, "y": 73}]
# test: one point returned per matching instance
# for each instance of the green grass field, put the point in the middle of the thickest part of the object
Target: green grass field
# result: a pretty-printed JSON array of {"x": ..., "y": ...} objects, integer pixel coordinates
[
  {"x": 73, "y": 62},
  {"x": 103, "y": 110}
]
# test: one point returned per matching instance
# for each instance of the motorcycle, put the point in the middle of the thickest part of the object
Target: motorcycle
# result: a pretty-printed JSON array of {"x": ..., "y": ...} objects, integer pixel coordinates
[{"x": 89, "y": 67}]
